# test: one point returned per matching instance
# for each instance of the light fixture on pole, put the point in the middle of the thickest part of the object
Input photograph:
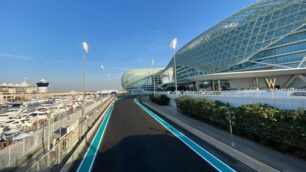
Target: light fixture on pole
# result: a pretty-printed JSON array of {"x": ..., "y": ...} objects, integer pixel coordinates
[
  {"x": 153, "y": 80},
  {"x": 102, "y": 68},
  {"x": 24, "y": 90},
  {"x": 173, "y": 46},
  {"x": 85, "y": 49},
  {"x": 230, "y": 116}
]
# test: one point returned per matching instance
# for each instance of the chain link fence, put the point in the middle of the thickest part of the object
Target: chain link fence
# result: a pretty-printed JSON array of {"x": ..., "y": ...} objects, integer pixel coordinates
[
  {"x": 38, "y": 142},
  {"x": 66, "y": 143}
]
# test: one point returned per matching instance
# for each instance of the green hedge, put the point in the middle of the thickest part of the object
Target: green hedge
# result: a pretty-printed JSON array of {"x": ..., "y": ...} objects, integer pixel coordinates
[
  {"x": 160, "y": 99},
  {"x": 282, "y": 130}
]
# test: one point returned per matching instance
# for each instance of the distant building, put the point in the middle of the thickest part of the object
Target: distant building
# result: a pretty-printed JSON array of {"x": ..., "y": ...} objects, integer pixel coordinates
[
  {"x": 140, "y": 79},
  {"x": 12, "y": 92},
  {"x": 42, "y": 86}
]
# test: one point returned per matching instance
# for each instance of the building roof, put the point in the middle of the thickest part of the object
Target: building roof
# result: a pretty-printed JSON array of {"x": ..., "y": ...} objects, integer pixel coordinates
[
  {"x": 43, "y": 80},
  {"x": 250, "y": 74},
  {"x": 23, "y": 84}
]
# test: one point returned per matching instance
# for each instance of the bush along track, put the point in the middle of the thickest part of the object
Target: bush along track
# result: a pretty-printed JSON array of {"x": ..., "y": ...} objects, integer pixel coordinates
[
  {"x": 282, "y": 130},
  {"x": 160, "y": 99}
]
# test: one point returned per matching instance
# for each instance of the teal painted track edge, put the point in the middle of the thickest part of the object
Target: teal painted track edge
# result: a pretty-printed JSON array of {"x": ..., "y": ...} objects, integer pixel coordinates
[
  {"x": 90, "y": 156},
  {"x": 204, "y": 154}
]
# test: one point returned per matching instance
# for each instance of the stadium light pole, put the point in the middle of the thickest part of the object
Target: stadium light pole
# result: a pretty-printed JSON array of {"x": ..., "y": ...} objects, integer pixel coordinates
[
  {"x": 173, "y": 46},
  {"x": 229, "y": 117},
  {"x": 102, "y": 69},
  {"x": 108, "y": 76},
  {"x": 153, "y": 76},
  {"x": 24, "y": 90},
  {"x": 85, "y": 50}
]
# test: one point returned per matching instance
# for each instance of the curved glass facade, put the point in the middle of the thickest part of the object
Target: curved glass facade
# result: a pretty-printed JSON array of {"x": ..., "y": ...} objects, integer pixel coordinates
[
  {"x": 267, "y": 35},
  {"x": 138, "y": 78}
]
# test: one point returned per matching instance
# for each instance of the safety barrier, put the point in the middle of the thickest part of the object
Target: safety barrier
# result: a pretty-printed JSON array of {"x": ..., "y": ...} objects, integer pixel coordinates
[
  {"x": 32, "y": 147},
  {"x": 54, "y": 157}
]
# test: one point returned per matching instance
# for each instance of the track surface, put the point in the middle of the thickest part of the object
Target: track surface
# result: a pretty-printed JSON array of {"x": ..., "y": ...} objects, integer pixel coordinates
[{"x": 134, "y": 141}]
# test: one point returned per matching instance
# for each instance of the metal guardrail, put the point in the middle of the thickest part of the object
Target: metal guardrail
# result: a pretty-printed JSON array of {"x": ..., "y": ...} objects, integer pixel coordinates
[
  {"x": 17, "y": 153},
  {"x": 279, "y": 93},
  {"x": 66, "y": 143}
]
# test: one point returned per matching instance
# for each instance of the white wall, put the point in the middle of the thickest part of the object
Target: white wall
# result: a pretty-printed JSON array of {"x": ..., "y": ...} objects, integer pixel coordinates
[
  {"x": 247, "y": 83},
  {"x": 289, "y": 103}
]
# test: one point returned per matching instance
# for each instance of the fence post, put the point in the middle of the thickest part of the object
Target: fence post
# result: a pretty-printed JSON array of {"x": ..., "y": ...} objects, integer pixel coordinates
[
  {"x": 59, "y": 153},
  {"x": 48, "y": 159},
  {"x": 38, "y": 166},
  {"x": 9, "y": 155},
  {"x": 60, "y": 128},
  {"x": 43, "y": 140},
  {"x": 79, "y": 130},
  {"x": 35, "y": 139},
  {"x": 23, "y": 146}
]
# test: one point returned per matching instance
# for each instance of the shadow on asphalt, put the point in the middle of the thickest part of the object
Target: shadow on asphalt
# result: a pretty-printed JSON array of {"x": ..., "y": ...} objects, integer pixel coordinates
[{"x": 131, "y": 154}]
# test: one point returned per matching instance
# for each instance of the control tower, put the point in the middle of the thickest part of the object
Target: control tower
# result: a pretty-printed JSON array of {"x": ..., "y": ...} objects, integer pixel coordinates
[{"x": 42, "y": 86}]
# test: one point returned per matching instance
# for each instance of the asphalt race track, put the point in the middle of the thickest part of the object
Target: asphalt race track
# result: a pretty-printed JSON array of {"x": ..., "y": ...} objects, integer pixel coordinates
[{"x": 134, "y": 141}]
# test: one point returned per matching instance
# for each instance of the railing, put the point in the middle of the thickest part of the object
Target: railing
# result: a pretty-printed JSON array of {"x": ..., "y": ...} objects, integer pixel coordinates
[
  {"x": 277, "y": 93},
  {"x": 54, "y": 157},
  {"x": 37, "y": 144}
]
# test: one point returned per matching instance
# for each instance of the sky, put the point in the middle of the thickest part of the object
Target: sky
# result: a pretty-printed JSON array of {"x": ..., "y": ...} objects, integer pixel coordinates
[{"x": 42, "y": 39}]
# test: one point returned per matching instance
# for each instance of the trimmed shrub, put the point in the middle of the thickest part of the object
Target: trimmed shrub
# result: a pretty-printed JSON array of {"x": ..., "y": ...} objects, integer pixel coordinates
[
  {"x": 183, "y": 104},
  {"x": 280, "y": 129},
  {"x": 160, "y": 99}
]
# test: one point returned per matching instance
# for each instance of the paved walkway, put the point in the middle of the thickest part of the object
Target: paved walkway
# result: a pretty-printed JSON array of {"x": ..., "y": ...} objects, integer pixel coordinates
[{"x": 276, "y": 160}]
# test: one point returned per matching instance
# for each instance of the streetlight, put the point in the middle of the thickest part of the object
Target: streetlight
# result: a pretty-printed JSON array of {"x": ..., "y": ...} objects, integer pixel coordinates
[
  {"x": 173, "y": 46},
  {"x": 102, "y": 68},
  {"x": 229, "y": 115},
  {"x": 108, "y": 76},
  {"x": 85, "y": 49},
  {"x": 153, "y": 77},
  {"x": 24, "y": 90}
]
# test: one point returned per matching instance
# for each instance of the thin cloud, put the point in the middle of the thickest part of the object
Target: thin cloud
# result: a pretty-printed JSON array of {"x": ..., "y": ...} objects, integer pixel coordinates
[
  {"x": 119, "y": 68},
  {"x": 17, "y": 69},
  {"x": 14, "y": 56}
]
